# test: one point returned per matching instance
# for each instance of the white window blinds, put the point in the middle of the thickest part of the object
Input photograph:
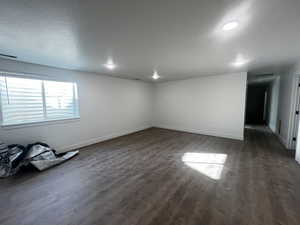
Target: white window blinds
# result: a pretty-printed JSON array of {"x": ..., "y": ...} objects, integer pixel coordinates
[{"x": 30, "y": 100}]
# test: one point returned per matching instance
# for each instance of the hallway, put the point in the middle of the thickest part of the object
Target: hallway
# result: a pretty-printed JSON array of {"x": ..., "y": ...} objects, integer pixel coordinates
[{"x": 162, "y": 177}]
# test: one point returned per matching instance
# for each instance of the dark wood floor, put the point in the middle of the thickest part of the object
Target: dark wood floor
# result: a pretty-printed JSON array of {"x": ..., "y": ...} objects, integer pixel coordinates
[{"x": 141, "y": 179}]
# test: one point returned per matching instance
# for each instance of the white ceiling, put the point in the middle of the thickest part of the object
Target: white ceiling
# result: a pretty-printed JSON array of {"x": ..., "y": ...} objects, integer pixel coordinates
[{"x": 178, "y": 38}]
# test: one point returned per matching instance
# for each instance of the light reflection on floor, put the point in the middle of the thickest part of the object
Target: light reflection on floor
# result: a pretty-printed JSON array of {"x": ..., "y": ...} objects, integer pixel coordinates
[{"x": 209, "y": 164}]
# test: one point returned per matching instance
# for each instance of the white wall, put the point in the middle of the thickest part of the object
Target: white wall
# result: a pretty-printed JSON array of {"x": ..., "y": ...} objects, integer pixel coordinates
[
  {"x": 296, "y": 68},
  {"x": 273, "y": 104},
  {"x": 287, "y": 105},
  {"x": 285, "y": 108},
  {"x": 109, "y": 107},
  {"x": 212, "y": 105}
]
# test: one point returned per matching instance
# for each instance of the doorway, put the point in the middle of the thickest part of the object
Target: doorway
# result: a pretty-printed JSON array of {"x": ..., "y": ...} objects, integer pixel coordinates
[{"x": 257, "y": 104}]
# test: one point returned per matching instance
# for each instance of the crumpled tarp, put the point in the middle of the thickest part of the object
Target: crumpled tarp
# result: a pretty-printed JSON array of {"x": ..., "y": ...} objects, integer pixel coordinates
[
  {"x": 11, "y": 159},
  {"x": 40, "y": 155},
  {"x": 48, "y": 159}
]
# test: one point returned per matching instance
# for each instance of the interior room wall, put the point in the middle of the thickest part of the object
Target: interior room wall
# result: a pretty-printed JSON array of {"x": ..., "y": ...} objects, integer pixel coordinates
[
  {"x": 211, "y": 105},
  {"x": 287, "y": 105},
  {"x": 109, "y": 107},
  {"x": 274, "y": 88}
]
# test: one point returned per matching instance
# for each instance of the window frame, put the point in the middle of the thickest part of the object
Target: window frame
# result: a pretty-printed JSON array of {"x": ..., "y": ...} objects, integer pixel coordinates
[{"x": 45, "y": 121}]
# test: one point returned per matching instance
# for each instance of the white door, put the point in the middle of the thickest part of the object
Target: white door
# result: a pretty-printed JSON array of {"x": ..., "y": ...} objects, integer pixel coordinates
[
  {"x": 296, "y": 133},
  {"x": 295, "y": 138},
  {"x": 298, "y": 146}
]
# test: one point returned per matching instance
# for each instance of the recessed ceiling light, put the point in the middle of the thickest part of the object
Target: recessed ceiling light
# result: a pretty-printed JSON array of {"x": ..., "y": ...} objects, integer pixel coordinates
[
  {"x": 240, "y": 62},
  {"x": 155, "y": 75},
  {"x": 110, "y": 65},
  {"x": 230, "y": 26}
]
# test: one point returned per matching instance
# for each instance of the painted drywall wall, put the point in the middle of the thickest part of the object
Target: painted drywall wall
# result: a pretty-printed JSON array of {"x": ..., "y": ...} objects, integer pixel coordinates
[
  {"x": 109, "y": 107},
  {"x": 287, "y": 105},
  {"x": 273, "y": 104},
  {"x": 212, "y": 105},
  {"x": 296, "y": 68}
]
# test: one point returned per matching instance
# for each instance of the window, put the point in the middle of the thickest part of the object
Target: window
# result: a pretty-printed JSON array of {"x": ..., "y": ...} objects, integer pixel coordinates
[{"x": 24, "y": 100}]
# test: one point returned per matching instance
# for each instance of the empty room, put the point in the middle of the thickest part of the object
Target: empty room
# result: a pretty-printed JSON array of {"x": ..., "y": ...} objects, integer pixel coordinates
[{"x": 149, "y": 112}]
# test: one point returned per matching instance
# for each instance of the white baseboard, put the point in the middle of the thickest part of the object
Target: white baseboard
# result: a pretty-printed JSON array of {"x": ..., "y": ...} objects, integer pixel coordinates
[
  {"x": 272, "y": 128},
  {"x": 281, "y": 140},
  {"x": 100, "y": 139},
  {"x": 206, "y": 132}
]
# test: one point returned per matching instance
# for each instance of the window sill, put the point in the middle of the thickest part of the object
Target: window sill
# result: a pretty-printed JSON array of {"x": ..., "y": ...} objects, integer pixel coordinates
[{"x": 41, "y": 123}]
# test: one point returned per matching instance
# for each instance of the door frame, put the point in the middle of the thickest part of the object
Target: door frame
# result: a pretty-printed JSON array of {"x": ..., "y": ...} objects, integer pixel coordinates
[{"x": 294, "y": 121}]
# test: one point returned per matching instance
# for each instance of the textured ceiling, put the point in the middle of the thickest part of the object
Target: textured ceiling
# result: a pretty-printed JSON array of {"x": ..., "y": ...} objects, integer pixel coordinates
[{"x": 178, "y": 38}]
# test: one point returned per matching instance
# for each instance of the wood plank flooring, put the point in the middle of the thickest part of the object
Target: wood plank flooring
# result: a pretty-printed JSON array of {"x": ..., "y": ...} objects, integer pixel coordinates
[{"x": 141, "y": 179}]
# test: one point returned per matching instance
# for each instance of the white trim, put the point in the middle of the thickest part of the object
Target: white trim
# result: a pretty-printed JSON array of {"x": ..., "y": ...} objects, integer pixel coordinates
[
  {"x": 34, "y": 76},
  {"x": 282, "y": 141},
  {"x": 1, "y": 112},
  {"x": 245, "y": 105},
  {"x": 39, "y": 123},
  {"x": 101, "y": 139},
  {"x": 272, "y": 128},
  {"x": 44, "y": 99},
  {"x": 202, "y": 132},
  {"x": 293, "y": 110}
]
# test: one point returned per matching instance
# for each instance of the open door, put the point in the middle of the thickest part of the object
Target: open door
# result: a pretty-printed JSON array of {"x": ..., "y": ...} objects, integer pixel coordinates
[
  {"x": 298, "y": 146},
  {"x": 295, "y": 138},
  {"x": 296, "y": 132}
]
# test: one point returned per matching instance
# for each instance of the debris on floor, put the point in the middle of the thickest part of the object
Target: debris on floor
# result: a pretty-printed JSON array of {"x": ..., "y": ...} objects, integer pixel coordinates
[{"x": 40, "y": 155}]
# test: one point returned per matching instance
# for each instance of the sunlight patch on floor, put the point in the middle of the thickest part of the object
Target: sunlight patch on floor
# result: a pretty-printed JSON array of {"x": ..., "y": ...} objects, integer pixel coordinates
[{"x": 209, "y": 164}]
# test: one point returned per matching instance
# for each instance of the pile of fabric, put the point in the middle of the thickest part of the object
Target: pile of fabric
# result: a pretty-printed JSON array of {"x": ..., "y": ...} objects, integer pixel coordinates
[{"x": 40, "y": 155}]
